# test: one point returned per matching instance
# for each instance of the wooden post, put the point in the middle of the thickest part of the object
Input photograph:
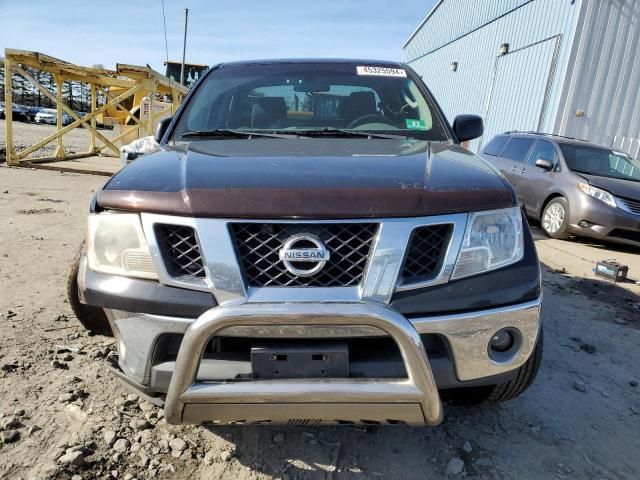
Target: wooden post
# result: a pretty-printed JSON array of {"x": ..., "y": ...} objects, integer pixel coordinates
[
  {"x": 60, "y": 149},
  {"x": 8, "y": 102},
  {"x": 152, "y": 98},
  {"x": 92, "y": 147},
  {"x": 85, "y": 121}
]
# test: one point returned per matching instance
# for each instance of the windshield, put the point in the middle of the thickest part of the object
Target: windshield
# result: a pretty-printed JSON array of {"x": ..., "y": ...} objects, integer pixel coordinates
[
  {"x": 600, "y": 162},
  {"x": 299, "y": 97}
]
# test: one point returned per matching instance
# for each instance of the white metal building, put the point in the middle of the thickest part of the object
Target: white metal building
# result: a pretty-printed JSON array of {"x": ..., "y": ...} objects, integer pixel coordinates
[{"x": 569, "y": 67}]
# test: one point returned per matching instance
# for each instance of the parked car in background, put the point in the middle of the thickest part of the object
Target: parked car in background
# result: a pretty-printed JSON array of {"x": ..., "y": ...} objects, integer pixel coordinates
[
  {"x": 31, "y": 113},
  {"x": 19, "y": 113},
  {"x": 49, "y": 116},
  {"x": 572, "y": 186}
]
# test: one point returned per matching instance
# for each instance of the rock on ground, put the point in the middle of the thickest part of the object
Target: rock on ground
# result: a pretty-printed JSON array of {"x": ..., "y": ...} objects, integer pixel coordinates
[{"x": 455, "y": 466}]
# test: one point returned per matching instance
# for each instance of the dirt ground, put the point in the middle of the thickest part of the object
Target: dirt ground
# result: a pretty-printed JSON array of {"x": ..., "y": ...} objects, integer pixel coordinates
[
  {"x": 25, "y": 134},
  {"x": 64, "y": 416}
]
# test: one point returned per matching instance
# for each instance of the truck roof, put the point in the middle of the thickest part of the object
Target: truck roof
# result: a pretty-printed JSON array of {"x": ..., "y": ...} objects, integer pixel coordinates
[{"x": 351, "y": 61}]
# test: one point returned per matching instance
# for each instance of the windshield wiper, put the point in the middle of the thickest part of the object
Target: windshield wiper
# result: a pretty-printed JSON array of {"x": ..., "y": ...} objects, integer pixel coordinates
[
  {"x": 339, "y": 132},
  {"x": 229, "y": 133}
]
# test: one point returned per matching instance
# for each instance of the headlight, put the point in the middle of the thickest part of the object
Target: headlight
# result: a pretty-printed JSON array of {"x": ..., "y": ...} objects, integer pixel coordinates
[
  {"x": 117, "y": 245},
  {"x": 598, "y": 193},
  {"x": 493, "y": 239}
]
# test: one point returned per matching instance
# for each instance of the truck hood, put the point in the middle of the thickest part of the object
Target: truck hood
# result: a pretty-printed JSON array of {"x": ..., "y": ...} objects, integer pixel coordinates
[
  {"x": 307, "y": 178},
  {"x": 616, "y": 186}
]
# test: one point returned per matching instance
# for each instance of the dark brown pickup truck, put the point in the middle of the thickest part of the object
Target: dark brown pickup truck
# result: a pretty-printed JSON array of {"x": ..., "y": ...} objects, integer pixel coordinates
[{"x": 307, "y": 242}]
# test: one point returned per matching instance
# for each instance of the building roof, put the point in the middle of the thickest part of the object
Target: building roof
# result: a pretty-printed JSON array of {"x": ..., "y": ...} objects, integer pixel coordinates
[{"x": 424, "y": 20}]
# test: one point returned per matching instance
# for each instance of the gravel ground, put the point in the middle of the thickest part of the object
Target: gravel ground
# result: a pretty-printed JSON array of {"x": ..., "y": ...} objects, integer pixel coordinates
[
  {"x": 63, "y": 416},
  {"x": 25, "y": 134}
]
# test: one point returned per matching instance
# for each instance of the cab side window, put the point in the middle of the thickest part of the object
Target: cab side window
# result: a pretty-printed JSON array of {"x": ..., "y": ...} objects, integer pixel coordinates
[{"x": 517, "y": 149}]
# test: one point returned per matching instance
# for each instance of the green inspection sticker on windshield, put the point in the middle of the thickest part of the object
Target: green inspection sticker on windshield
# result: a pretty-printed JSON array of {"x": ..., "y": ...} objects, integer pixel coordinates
[{"x": 415, "y": 124}]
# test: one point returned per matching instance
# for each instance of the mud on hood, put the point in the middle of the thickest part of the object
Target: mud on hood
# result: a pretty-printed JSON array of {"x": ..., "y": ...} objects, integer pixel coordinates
[{"x": 307, "y": 178}]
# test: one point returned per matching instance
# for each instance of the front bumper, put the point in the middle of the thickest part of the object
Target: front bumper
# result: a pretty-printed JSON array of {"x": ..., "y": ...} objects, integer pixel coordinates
[
  {"x": 194, "y": 341},
  {"x": 193, "y": 398},
  {"x": 604, "y": 222}
]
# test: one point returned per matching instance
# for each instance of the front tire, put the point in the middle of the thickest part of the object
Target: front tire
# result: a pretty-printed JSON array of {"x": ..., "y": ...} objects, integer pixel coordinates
[
  {"x": 555, "y": 218},
  {"x": 92, "y": 318},
  {"x": 491, "y": 394}
]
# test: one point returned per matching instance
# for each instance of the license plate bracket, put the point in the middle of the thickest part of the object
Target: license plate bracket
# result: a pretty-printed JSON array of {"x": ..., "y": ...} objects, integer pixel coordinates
[{"x": 300, "y": 360}]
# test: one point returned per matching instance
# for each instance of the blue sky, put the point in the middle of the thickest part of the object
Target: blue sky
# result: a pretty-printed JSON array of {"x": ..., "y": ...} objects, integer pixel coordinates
[{"x": 87, "y": 32}]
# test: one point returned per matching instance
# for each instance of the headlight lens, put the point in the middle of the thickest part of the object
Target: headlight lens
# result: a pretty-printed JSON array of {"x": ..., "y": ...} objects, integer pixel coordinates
[
  {"x": 117, "y": 246},
  {"x": 493, "y": 239},
  {"x": 598, "y": 193}
]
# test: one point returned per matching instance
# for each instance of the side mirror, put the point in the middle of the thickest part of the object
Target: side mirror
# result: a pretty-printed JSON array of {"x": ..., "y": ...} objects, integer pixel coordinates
[
  {"x": 544, "y": 164},
  {"x": 161, "y": 129},
  {"x": 468, "y": 127}
]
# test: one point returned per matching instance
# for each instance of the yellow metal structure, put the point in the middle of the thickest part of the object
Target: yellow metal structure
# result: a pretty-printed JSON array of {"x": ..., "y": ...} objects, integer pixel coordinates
[{"x": 126, "y": 85}]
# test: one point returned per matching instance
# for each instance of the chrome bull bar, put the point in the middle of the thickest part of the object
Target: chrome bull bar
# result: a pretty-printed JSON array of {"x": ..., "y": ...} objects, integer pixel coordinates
[{"x": 414, "y": 400}]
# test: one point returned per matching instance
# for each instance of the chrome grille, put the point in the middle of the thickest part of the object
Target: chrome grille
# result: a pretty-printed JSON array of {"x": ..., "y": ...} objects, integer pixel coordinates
[
  {"x": 426, "y": 252},
  {"x": 258, "y": 244},
  {"x": 180, "y": 250},
  {"x": 633, "y": 206}
]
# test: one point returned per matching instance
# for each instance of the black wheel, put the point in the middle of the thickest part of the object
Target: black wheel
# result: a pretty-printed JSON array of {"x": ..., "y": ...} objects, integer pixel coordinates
[
  {"x": 92, "y": 318},
  {"x": 504, "y": 391},
  {"x": 555, "y": 218}
]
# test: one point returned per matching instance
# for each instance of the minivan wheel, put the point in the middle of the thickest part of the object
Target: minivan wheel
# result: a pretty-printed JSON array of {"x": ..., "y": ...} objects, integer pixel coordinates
[
  {"x": 555, "y": 218},
  {"x": 92, "y": 318}
]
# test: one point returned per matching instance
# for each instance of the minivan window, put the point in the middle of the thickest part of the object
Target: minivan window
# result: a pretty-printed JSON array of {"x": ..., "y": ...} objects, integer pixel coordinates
[
  {"x": 494, "y": 147},
  {"x": 601, "y": 162},
  {"x": 517, "y": 149},
  {"x": 543, "y": 150},
  {"x": 298, "y": 97}
]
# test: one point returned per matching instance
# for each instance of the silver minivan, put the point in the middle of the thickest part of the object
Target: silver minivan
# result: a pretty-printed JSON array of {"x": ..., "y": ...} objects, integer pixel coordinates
[{"x": 571, "y": 186}]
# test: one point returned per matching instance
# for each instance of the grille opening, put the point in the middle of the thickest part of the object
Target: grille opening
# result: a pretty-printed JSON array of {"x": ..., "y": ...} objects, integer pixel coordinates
[
  {"x": 426, "y": 252},
  {"x": 258, "y": 245},
  {"x": 623, "y": 234},
  {"x": 180, "y": 251},
  {"x": 368, "y": 357},
  {"x": 303, "y": 421},
  {"x": 632, "y": 205}
]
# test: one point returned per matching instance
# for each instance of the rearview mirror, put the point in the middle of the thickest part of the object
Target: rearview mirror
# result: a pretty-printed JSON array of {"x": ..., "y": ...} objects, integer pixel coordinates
[
  {"x": 468, "y": 127},
  {"x": 311, "y": 85},
  {"x": 544, "y": 164},
  {"x": 161, "y": 128}
]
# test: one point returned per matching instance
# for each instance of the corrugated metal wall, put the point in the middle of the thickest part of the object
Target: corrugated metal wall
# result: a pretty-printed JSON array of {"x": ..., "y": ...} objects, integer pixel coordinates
[
  {"x": 517, "y": 97},
  {"x": 605, "y": 83},
  {"x": 453, "y": 18},
  {"x": 467, "y": 90}
]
